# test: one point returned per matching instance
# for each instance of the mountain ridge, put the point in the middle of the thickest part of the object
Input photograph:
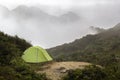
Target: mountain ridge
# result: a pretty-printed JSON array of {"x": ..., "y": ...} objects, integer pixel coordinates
[{"x": 90, "y": 48}]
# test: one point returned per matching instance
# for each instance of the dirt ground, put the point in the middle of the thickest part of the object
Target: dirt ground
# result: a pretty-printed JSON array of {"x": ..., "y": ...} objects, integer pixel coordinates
[{"x": 56, "y": 70}]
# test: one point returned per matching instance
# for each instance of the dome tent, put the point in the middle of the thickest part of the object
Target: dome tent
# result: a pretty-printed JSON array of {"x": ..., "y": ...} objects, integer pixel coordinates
[{"x": 36, "y": 54}]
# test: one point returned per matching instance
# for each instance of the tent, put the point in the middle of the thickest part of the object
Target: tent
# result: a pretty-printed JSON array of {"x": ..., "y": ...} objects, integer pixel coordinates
[{"x": 36, "y": 54}]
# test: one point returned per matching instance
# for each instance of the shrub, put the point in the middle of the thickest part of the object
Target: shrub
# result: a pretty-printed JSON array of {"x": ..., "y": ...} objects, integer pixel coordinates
[{"x": 88, "y": 73}]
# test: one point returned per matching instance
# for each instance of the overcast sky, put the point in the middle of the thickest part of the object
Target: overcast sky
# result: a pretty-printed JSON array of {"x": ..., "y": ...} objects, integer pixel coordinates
[{"x": 49, "y": 23}]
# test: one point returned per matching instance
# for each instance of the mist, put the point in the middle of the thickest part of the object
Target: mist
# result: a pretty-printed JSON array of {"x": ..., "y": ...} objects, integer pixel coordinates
[{"x": 49, "y": 26}]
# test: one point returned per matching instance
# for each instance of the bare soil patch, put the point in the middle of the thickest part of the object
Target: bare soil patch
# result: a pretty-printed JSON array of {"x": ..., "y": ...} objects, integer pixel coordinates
[{"x": 56, "y": 70}]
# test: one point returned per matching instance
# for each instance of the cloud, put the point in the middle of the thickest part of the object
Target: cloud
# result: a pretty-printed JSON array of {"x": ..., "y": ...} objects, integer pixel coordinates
[
  {"x": 7, "y": 23},
  {"x": 38, "y": 26},
  {"x": 37, "y": 14},
  {"x": 97, "y": 29},
  {"x": 64, "y": 4},
  {"x": 49, "y": 26}
]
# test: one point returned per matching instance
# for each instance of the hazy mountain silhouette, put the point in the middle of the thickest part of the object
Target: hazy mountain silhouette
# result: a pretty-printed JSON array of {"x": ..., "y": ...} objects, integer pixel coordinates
[{"x": 34, "y": 12}]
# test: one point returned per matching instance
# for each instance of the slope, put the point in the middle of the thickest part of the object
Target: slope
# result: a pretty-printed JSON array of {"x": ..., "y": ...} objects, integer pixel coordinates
[
  {"x": 101, "y": 48},
  {"x": 11, "y": 64}
]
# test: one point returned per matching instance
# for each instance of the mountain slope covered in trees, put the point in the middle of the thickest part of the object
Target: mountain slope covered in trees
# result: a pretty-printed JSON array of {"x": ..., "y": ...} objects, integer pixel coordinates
[{"x": 102, "y": 48}]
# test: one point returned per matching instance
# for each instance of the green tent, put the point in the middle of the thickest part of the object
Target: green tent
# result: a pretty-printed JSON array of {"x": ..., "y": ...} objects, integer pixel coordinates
[{"x": 36, "y": 54}]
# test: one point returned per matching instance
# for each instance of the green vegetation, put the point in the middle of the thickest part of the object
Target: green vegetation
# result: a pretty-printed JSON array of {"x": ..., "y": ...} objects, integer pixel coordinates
[
  {"x": 93, "y": 73},
  {"x": 12, "y": 67},
  {"x": 101, "y": 49},
  {"x": 89, "y": 73}
]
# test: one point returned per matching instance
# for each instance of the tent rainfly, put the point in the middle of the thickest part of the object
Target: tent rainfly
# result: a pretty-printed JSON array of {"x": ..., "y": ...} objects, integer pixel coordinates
[{"x": 36, "y": 54}]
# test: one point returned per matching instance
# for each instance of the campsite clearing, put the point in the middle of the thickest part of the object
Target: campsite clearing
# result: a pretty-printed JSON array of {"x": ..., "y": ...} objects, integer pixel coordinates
[{"x": 56, "y": 70}]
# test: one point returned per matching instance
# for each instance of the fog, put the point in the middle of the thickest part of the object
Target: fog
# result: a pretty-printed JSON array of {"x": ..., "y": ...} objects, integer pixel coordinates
[{"x": 49, "y": 24}]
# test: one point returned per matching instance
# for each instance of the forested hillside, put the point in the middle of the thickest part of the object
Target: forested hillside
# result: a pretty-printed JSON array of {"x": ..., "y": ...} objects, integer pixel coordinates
[
  {"x": 102, "y": 48},
  {"x": 12, "y": 67}
]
